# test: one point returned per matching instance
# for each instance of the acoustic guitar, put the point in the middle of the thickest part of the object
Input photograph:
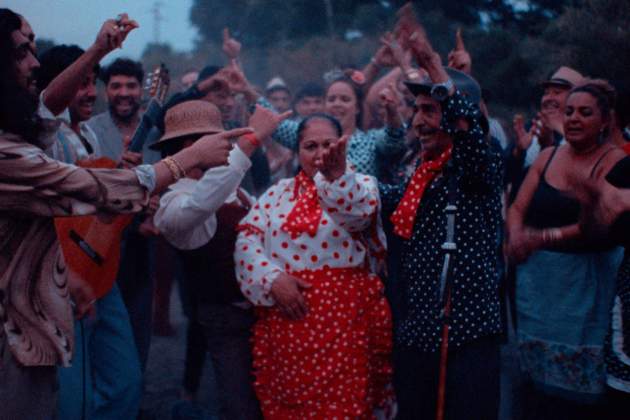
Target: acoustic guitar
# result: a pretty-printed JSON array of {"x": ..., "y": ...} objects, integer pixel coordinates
[{"x": 91, "y": 244}]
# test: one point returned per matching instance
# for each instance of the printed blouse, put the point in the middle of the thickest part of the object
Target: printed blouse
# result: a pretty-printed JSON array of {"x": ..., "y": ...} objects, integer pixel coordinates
[{"x": 350, "y": 206}]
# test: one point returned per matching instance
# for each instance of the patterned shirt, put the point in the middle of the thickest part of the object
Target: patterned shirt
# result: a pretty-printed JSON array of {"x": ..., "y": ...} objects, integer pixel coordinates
[
  {"x": 475, "y": 303},
  {"x": 364, "y": 147},
  {"x": 264, "y": 249}
]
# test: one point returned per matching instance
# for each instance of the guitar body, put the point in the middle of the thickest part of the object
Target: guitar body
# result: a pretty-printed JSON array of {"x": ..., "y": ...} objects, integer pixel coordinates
[{"x": 91, "y": 244}]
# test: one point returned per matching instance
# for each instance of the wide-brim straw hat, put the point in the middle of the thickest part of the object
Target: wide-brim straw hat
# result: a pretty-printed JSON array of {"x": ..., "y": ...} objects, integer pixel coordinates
[{"x": 190, "y": 118}]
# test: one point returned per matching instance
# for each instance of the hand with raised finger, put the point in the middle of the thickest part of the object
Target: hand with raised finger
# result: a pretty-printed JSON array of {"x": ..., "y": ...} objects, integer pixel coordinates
[
  {"x": 264, "y": 121},
  {"x": 286, "y": 292},
  {"x": 231, "y": 47},
  {"x": 213, "y": 83},
  {"x": 213, "y": 149},
  {"x": 333, "y": 161},
  {"x": 459, "y": 58}
]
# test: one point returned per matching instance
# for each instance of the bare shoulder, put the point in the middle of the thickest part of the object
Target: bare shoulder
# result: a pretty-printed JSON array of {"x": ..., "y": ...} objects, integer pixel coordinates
[{"x": 542, "y": 159}]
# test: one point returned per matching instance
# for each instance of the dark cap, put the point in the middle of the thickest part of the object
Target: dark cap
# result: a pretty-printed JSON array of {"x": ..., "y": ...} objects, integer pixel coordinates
[{"x": 463, "y": 82}]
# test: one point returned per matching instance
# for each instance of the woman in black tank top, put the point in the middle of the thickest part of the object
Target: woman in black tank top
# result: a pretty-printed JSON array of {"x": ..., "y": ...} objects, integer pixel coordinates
[{"x": 564, "y": 292}]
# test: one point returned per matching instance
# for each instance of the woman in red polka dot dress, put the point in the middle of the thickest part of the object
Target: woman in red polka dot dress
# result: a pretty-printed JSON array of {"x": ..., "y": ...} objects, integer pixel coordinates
[{"x": 322, "y": 341}]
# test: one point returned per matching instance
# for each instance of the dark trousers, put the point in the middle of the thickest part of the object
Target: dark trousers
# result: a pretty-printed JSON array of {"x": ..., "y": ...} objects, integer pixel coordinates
[
  {"x": 196, "y": 348},
  {"x": 472, "y": 381},
  {"x": 26, "y": 392},
  {"x": 227, "y": 329}
]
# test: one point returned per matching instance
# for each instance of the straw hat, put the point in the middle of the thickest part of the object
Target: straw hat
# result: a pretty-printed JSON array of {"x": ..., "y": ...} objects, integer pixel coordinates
[{"x": 189, "y": 118}]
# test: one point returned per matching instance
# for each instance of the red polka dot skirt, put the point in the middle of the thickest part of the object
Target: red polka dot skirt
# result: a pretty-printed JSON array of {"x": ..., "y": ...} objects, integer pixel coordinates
[{"x": 335, "y": 362}]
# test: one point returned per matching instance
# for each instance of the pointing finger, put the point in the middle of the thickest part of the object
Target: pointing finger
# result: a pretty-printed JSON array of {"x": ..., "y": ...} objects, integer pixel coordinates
[
  {"x": 459, "y": 41},
  {"x": 236, "y": 132}
]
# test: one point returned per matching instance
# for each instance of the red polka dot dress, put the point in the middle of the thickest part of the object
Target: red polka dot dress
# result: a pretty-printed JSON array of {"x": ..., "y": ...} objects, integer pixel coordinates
[{"x": 334, "y": 362}]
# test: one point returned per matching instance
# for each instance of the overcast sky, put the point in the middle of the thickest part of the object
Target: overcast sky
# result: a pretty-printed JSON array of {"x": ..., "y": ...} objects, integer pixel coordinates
[{"x": 78, "y": 21}]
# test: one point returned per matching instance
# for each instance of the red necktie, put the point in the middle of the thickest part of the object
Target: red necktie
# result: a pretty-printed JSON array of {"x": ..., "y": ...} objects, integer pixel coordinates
[
  {"x": 307, "y": 212},
  {"x": 405, "y": 215}
]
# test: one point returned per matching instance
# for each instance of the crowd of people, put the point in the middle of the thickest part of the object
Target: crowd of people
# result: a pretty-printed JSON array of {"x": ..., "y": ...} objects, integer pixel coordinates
[{"x": 361, "y": 249}]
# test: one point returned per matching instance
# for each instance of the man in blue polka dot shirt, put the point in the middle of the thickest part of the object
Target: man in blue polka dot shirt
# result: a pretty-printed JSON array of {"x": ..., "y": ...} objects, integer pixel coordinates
[{"x": 455, "y": 155}]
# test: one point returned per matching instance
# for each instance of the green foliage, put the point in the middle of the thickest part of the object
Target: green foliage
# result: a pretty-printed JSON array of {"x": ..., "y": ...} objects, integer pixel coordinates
[{"x": 515, "y": 44}]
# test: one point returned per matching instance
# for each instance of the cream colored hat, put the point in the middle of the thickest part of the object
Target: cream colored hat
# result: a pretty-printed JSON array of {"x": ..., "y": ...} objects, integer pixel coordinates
[
  {"x": 565, "y": 77},
  {"x": 188, "y": 118}
]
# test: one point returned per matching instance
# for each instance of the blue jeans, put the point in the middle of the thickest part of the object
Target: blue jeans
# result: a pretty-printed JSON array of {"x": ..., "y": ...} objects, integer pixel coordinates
[{"x": 104, "y": 381}]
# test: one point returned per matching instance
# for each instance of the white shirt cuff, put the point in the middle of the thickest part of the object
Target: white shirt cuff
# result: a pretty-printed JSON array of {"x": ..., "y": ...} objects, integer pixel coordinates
[
  {"x": 146, "y": 176},
  {"x": 239, "y": 160}
]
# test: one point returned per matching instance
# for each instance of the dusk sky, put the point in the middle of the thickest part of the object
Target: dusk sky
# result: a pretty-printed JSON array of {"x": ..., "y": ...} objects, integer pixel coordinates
[{"x": 78, "y": 21}]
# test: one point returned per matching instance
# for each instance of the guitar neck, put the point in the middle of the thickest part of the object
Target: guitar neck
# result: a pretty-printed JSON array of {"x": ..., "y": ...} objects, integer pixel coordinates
[{"x": 149, "y": 120}]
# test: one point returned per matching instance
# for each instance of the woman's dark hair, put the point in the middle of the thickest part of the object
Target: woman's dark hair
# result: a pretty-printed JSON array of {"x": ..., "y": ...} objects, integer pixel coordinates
[
  {"x": 207, "y": 72},
  {"x": 310, "y": 89},
  {"x": 602, "y": 91},
  {"x": 18, "y": 106},
  {"x": 318, "y": 116},
  {"x": 125, "y": 67},
  {"x": 55, "y": 60},
  {"x": 358, "y": 94}
]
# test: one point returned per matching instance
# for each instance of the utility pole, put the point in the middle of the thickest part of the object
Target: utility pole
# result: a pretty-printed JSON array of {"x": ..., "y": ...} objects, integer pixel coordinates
[{"x": 157, "y": 20}]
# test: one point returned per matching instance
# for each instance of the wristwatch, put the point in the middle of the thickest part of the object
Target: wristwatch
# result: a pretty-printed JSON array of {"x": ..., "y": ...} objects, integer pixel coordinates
[{"x": 439, "y": 91}]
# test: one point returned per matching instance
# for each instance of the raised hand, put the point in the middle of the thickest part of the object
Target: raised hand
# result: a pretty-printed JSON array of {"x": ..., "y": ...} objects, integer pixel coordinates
[
  {"x": 459, "y": 58},
  {"x": 113, "y": 33},
  {"x": 423, "y": 51},
  {"x": 390, "y": 98},
  {"x": 406, "y": 25},
  {"x": 235, "y": 78},
  {"x": 264, "y": 121},
  {"x": 523, "y": 137},
  {"x": 286, "y": 292},
  {"x": 213, "y": 149},
  {"x": 333, "y": 160},
  {"x": 231, "y": 47},
  {"x": 213, "y": 83}
]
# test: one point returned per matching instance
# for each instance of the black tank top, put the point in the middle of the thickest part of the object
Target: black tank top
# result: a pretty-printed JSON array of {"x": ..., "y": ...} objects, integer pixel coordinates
[{"x": 551, "y": 207}]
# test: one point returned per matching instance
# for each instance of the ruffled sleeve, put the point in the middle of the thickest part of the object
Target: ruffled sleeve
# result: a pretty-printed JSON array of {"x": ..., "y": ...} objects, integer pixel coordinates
[
  {"x": 352, "y": 200},
  {"x": 255, "y": 272}
]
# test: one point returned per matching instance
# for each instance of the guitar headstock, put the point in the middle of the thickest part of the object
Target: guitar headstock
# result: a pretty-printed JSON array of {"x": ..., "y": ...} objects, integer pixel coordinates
[{"x": 157, "y": 83}]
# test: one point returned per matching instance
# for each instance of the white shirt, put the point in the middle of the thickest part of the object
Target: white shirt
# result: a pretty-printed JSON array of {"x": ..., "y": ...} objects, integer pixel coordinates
[
  {"x": 186, "y": 216},
  {"x": 67, "y": 146},
  {"x": 350, "y": 204}
]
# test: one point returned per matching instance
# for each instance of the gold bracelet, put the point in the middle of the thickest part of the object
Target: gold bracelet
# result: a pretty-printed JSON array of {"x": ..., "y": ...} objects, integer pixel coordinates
[
  {"x": 172, "y": 167},
  {"x": 549, "y": 236},
  {"x": 179, "y": 166}
]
